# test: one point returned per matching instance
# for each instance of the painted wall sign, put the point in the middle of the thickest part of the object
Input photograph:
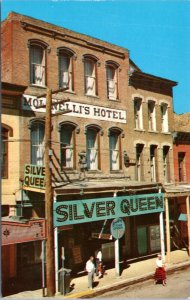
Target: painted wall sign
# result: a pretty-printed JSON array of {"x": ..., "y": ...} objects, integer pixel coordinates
[
  {"x": 78, "y": 109},
  {"x": 34, "y": 176},
  {"x": 14, "y": 232},
  {"x": 81, "y": 211}
]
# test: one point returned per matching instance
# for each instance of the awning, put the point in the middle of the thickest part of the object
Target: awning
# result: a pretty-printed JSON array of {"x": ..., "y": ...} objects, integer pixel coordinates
[{"x": 19, "y": 230}]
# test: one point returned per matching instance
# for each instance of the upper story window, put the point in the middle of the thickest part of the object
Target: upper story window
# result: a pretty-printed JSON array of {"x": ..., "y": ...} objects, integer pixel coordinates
[
  {"x": 153, "y": 163},
  {"x": 151, "y": 116},
  {"x": 37, "y": 142},
  {"x": 92, "y": 144},
  {"x": 90, "y": 76},
  {"x": 4, "y": 152},
  {"x": 115, "y": 149},
  {"x": 181, "y": 166},
  {"x": 139, "y": 162},
  {"x": 66, "y": 76},
  {"x": 38, "y": 50},
  {"x": 112, "y": 80},
  {"x": 67, "y": 145},
  {"x": 164, "y": 114},
  {"x": 166, "y": 163},
  {"x": 138, "y": 114}
]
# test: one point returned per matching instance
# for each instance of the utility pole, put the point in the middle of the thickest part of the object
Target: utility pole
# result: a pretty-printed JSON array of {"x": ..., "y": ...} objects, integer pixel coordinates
[{"x": 50, "y": 259}]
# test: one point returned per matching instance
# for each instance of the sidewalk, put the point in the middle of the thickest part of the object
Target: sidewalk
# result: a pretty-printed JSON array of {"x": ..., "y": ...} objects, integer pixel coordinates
[{"x": 135, "y": 272}]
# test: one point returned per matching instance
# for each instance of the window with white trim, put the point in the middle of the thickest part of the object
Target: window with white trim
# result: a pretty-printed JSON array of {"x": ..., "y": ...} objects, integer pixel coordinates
[
  {"x": 138, "y": 115},
  {"x": 37, "y": 65},
  {"x": 151, "y": 116},
  {"x": 37, "y": 143},
  {"x": 166, "y": 163},
  {"x": 65, "y": 70},
  {"x": 90, "y": 82},
  {"x": 67, "y": 145},
  {"x": 112, "y": 82},
  {"x": 153, "y": 163},
  {"x": 139, "y": 162},
  {"x": 164, "y": 115},
  {"x": 92, "y": 142},
  {"x": 115, "y": 150}
]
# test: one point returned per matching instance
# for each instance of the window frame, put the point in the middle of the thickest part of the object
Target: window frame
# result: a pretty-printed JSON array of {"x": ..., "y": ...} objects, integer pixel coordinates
[
  {"x": 67, "y": 53},
  {"x": 92, "y": 61},
  {"x": 164, "y": 116},
  {"x": 64, "y": 147},
  {"x": 97, "y": 131},
  {"x": 138, "y": 113},
  {"x": 40, "y": 125},
  {"x": 151, "y": 115},
  {"x": 118, "y": 134},
  {"x": 44, "y": 47},
  {"x": 114, "y": 68}
]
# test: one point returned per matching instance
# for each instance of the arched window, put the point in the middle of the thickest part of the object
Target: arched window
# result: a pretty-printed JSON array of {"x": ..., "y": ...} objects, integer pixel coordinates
[
  {"x": 66, "y": 78},
  {"x": 115, "y": 148},
  {"x": 37, "y": 62},
  {"x": 112, "y": 80},
  {"x": 90, "y": 75},
  {"x": 37, "y": 142},
  {"x": 92, "y": 145},
  {"x": 67, "y": 145}
]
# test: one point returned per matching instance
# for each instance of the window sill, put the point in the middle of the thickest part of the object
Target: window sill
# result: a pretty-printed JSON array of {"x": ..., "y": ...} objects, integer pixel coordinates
[
  {"x": 91, "y": 96},
  {"x": 38, "y": 86},
  {"x": 142, "y": 130},
  {"x": 153, "y": 131},
  {"x": 167, "y": 132}
]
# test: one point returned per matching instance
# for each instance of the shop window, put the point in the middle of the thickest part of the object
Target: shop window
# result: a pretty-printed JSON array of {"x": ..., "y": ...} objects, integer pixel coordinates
[
  {"x": 166, "y": 163},
  {"x": 139, "y": 162},
  {"x": 153, "y": 163},
  {"x": 164, "y": 114},
  {"x": 37, "y": 142},
  {"x": 181, "y": 166},
  {"x": 67, "y": 149},
  {"x": 90, "y": 76},
  {"x": 4, "y": 152},
  {"x": 112, "y": 81},
  {"x": 151, "y": 116},
  {"x": 115, "y": 149},
  {"x": 154, "y": 238},
  {"x": 37, "y": 64},
  {"x": 66, "y": 68},
  {"x": 92, "y": 142},
  {"x": 138, "y": 114}
]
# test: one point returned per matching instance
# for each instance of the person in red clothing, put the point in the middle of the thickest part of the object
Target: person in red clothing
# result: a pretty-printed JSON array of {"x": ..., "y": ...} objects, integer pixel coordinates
[{"x": 160, "y": 273}]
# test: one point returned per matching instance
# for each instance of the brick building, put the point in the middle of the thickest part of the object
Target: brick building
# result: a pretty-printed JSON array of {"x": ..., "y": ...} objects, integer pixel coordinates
[{"x": 119, "y": 124}]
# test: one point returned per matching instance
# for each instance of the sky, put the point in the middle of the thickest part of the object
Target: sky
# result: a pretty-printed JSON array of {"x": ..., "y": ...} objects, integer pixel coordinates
[{"x": 156, "y": 32}]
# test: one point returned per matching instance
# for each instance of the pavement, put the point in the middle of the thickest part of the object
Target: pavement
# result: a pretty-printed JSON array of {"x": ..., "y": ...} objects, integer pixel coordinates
[{"x": 133, "y": 272}]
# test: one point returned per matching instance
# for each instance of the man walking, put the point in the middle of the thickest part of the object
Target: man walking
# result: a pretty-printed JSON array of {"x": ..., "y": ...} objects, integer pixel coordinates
[{"x": 90, "y": 268}]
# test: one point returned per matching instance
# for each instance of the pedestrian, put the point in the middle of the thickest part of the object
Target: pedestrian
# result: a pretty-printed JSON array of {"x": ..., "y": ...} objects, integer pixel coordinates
[
  {"x": 160, "y": 273},
  {"x": 99, "y": 264},
  {"x": 90, "y": 268}
]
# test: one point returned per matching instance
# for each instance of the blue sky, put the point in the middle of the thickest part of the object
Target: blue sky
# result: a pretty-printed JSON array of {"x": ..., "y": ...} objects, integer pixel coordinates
[{"x": 157, "y": 33}]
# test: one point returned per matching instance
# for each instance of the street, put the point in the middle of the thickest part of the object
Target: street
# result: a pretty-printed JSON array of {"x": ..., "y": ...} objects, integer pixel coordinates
[{"x": 178, "y": 286}]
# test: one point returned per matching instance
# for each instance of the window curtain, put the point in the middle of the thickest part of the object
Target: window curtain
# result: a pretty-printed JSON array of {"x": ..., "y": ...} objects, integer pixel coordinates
[
  {"x": 37, "y": 144},
  {"x": 66, "y": 147},
  {"x": 64, "y": 71},
  {"x": 92, "y": 157},
  {"x": 38, "y": 65},
  {"x": 114, "y": 152}
]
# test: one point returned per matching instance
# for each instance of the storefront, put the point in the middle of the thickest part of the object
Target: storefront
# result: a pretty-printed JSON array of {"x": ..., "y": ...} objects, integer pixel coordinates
[
  {"x": 82, "y": 227},
  {"x": 21, "y": 253}
]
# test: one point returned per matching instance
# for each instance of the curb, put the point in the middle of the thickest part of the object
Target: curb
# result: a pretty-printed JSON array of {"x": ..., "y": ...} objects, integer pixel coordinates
[{"x": 124, "y": 283}]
